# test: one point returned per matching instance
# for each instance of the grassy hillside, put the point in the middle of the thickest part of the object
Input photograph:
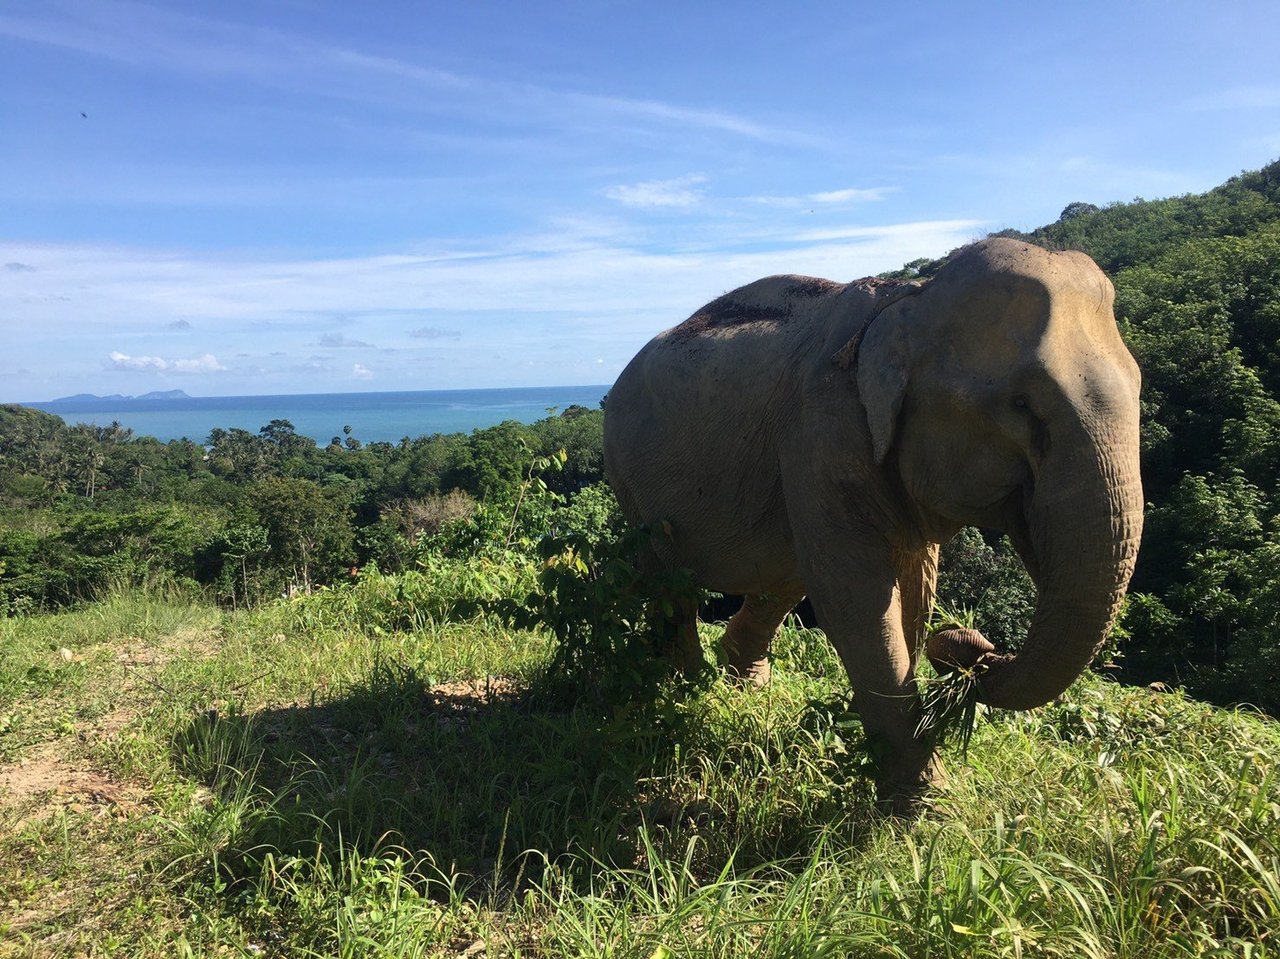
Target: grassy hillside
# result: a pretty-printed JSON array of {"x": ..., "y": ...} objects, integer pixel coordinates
[{"x": 175, "y": 780}]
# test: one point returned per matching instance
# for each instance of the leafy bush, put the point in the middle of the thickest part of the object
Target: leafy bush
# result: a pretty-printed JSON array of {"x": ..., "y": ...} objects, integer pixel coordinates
[
  {"x": 308, "y": 528},
  {"x": 83, "y": 553},
  {"x": 592, "y": 513},
  {"x": 611, "y": 609}
]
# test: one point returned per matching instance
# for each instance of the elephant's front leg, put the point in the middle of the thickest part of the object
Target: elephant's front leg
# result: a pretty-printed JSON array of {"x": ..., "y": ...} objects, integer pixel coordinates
[{"x": 859, "y": 604}]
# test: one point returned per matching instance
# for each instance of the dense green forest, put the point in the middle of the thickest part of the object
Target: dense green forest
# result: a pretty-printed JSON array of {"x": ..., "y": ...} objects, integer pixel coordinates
[
  {"x": 252, "y": 516},
  {"x": 249, "y": 517}
]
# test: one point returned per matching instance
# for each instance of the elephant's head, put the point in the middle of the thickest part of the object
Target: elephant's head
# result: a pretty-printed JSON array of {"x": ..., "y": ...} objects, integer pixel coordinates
[{"x": 1002, "y": 396}]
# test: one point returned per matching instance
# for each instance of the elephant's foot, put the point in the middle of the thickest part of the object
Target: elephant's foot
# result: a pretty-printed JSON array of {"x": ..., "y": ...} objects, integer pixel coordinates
[
  {"x": 688, "y": 662},
  {"x": 904, "y": 793},
  {"x": 745, "y": 655},
  {"x": 754, "y": 673},
  {"x": 908, "y": 768}
]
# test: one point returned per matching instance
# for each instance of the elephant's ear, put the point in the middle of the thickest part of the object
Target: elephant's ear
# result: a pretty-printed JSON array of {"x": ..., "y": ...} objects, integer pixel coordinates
[{"x": 882, "y": 371}]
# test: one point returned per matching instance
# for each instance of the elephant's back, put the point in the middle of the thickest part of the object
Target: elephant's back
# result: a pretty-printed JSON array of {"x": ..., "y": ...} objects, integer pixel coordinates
[
  {"x": 691, "y": 426},
  {"x": 714, "y": 381}
]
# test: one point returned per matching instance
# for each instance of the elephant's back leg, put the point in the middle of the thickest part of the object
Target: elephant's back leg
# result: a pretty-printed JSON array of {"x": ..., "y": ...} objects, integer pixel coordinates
[
  {"x": 683, "y": 648},
  {"x": 752, "y": 628}
]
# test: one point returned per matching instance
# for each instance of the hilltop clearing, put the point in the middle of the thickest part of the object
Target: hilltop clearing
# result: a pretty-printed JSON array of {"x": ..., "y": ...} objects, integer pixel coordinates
[{"x": 179, "y": 781}]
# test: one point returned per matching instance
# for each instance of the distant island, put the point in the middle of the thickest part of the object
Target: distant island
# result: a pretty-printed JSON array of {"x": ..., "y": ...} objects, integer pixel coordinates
[{"x": 81, "y": 398}]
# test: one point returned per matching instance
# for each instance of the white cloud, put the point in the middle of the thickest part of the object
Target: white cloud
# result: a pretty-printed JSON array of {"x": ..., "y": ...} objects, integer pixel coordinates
[
  {"x": 138, "y": 364},
  {"x": 563, "y": 299},
  {"x": 850, "y": 195},
  {"x": 843, "y": 197},
  {"x": 679, "y": 192},
  {"x": 960, "y": 228},
  {"x": 137, "y": 289},
  {"x": 686, "y": 116},
  {"x": 208, "y": 363}
]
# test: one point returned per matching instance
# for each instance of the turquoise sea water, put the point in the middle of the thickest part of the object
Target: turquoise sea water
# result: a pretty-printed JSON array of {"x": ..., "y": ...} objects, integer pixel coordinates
[{"x": 372, "y": 416}]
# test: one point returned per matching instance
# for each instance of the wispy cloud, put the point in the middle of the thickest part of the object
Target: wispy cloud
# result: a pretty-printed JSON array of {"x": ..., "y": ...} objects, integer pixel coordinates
[
  {"x": 691, "y": 117},
  {"x": 535, "y": 308},
  {"x": 208, "y": 363},
  {"x": 827, "y": 198},
  {"x": 680, "y": 192},
  {"x": 881, "y": 234},
  {"x": 155, "y": 38},
  {"x": 518, "y": 277},
  {"x": 850, "y": 195}
]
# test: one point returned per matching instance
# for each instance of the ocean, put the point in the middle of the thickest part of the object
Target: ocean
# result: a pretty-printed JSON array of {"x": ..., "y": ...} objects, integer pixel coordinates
[{"x": 373, "y": 417}]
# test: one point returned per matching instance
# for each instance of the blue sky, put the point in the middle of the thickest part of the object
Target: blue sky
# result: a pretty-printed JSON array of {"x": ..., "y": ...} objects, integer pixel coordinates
[{"x": 315, "y": 196}]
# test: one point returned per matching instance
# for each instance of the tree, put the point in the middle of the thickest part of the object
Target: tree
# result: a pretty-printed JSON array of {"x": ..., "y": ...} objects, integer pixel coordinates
[
  {"x": 308, "y": 528},
  {"x": 238, "y": 455},
  {"x": 1073, "y": 210}
]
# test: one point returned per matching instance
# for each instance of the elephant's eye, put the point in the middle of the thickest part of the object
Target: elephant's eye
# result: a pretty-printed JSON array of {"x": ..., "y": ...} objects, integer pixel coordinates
[{"x": 1019, "y": 402}]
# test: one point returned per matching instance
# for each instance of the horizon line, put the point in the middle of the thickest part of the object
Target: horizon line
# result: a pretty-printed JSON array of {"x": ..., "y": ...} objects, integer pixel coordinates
[{"x": 225, "y": 396}]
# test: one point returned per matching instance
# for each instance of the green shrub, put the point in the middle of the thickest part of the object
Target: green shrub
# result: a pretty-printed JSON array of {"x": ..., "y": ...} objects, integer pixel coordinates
[
  {"x": 611, "y": 609},
  {"x": 441, "y": 588}
]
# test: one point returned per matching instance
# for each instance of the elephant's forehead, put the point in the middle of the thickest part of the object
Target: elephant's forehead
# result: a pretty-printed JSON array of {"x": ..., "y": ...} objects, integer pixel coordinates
[
  {"x": 1024, "y": 306},
  {"x": 1015, "y": 326}
]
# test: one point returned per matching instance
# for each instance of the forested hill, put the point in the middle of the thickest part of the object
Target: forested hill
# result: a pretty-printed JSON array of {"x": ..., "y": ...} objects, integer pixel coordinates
[{"x": 1198, "y": 297}]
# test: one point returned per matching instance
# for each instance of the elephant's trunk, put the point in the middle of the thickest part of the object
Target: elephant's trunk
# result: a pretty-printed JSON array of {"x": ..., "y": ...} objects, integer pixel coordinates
[{"x": 1085, "y": 521}]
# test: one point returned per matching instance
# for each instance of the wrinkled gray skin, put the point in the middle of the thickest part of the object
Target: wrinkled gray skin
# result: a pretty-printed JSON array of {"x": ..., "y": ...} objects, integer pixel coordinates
[{"x": 807, "y": 437}]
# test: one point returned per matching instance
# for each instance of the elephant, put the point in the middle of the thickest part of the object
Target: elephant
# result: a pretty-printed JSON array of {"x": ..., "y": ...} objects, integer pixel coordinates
[{"x": 802, "y": 437}]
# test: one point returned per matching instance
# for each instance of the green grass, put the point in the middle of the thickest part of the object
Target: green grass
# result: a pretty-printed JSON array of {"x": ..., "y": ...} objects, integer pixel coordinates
[{"x": 274, "y": 784}]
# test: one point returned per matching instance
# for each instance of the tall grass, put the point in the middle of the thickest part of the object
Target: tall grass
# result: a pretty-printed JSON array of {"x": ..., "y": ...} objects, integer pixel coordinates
[{"x": 320, "y": 790}]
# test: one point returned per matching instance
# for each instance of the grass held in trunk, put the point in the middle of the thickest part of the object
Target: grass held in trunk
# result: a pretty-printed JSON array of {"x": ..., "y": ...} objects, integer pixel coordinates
[{"x": 949, "y": 701}]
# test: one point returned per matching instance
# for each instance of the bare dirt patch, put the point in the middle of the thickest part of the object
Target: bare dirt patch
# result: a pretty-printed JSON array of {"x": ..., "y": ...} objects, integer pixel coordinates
[
  {"x": 463, "y": 694},
  {"x": 50, "y": 778},
  {"x": 37, "y": 786}
]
